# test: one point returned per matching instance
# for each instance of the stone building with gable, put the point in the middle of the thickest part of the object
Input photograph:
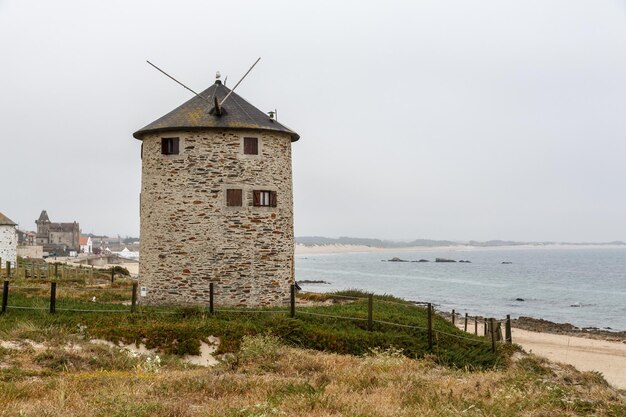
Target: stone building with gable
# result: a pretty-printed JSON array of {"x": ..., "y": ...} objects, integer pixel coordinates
[
  {"x": 8, "y": 241},
  {"x": 59, "y": 238},
  {"x": 216, "y": 204}
]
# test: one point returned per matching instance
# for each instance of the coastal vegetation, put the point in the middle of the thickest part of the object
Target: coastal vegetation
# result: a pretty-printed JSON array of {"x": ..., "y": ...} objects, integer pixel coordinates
[
  {"x": 265, "y": 377},
  {"x": 180, "y": 331},
  {"x": 270, "y": 364}
]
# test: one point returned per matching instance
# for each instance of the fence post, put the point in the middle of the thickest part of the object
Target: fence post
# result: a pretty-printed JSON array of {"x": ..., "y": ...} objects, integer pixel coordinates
[
  {"x": 430, "y": 327},
  {"x": 370, "y": 312},
  {"x": 5, "y": 297},
  {"x": 211, "y": 298},
  {"x": 53, "y": 297},
  {"x": 493, "y": 334},
  {"x": 453, "y": 316},
  {"x": 133, "y": 303},
  {"x": 465, "y": 326},
  {"x": 475, "y": 325},
  {"x": 507, "y": 328},
  {"x": 8, "y": 269},
  {"x": 112, "y": 274},
  {"x": 292, "y": 311},
  {"x": 485, "y": 327},
  {"x": 56, "y": 270}
]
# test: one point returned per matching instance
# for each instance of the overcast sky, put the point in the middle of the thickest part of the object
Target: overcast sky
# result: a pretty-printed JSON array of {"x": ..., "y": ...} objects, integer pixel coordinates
[{"x": 418, "y": 119}]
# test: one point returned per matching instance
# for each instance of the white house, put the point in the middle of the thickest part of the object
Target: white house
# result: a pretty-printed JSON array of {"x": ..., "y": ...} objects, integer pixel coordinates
[
  {"x": 86, "y": 246},
  {"x": 8, "y": 241}
]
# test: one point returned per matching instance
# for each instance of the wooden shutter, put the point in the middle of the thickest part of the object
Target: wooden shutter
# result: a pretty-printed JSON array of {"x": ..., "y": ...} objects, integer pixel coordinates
[
  {"x": 251, "y": 146},
  {"x": 234, "y": 198},
  {"x": 169, "y": 146},
  {"x": 256, "y": 198},
  {"x": 272, "y": 198}
]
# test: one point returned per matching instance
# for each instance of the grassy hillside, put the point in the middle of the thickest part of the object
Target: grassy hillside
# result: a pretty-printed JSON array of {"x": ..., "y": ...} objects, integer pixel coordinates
[
  {"x": 266, "y": 378},
  {"x": 271, "y": 364},
  {"x": 180, "y": 331}
]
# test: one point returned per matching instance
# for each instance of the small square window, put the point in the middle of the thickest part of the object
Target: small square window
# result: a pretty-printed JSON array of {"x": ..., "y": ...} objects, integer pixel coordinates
[
  {"x": 263, "y": 198},
  {"x": 251, "y": 146},
  {"x": 169, "y": 146},
  {"x": 234, "y": 198}
]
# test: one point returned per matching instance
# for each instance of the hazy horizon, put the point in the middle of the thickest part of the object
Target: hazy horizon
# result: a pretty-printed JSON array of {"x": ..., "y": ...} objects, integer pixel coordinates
[{"x": 458, "y": 120}]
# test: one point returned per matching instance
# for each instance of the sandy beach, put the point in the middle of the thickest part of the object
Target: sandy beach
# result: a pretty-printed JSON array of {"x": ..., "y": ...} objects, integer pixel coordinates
[
  {"x": 584, "y": 354},
  {"x": 330, "y": 249},
  {"x": 591, "y": 353}
]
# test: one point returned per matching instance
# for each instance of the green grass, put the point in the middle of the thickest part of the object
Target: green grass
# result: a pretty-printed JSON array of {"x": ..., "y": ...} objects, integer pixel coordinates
[{"x": 179, "y": 331}]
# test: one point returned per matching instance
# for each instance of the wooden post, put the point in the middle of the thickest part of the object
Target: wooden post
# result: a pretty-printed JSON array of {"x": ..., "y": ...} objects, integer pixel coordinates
[
  {"x": 453, "y": 316},
  {"x": 507, "y": 328},
  {"x": 56, "y": 270},
  {"x": 370, "y": 312},
  {"x": 465, "y": 326},
  {"x": 5, "y": 297},
  {"x": 493, "y": 334},
  {"x": 430, "y": 327},
  {"x": 475, "y": 326},
  {"x": 8, "y": 269},
  {"x": 292, "y": 311},
  {"x": 112, "y": 274},
  {"x": 485, "y": 327},
  {"x": 211, "y": 295},
  {"x": 133, "y": 303},
  {"x": 53, "y": 297}
]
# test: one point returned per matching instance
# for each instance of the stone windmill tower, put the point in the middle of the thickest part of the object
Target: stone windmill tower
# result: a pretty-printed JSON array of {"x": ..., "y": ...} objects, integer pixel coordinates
[{"x": 216, "y": 204}]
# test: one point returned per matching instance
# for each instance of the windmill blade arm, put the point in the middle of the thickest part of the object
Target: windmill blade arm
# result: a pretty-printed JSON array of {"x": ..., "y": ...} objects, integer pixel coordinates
[
  {"x": 239, "y": 82},
  {"x": 175, "y": 80}
]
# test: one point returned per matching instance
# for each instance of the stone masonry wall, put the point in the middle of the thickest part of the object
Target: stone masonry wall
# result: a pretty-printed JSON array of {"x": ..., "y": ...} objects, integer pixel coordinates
[
  {"x": 31, "y": 251},
  {"x": 190, "y": 238},
  {"x": 8, "y": 245}
]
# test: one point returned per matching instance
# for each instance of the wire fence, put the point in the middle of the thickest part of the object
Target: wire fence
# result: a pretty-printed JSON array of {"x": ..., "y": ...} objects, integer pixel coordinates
[{"x": 122, "y": 298}]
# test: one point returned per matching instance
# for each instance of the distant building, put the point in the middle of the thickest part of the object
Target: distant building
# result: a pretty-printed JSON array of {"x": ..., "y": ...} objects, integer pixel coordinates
[
  {"x": 60, "y": 238},
  {"x": 86, "y": 245},
  {"x": 8, "y": 240},
  {"x": 27, "y": 245},
  {"x": 26, "y": 238}
]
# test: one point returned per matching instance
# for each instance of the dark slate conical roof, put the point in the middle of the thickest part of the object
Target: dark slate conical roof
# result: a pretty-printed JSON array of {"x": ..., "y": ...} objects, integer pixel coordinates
[
  {"x": 196, "y": 114},
  {"x": 43, "y": 217}
]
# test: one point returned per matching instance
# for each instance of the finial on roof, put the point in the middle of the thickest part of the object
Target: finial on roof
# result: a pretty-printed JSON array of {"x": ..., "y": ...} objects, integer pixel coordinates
[{"x": 218, "y": 75}]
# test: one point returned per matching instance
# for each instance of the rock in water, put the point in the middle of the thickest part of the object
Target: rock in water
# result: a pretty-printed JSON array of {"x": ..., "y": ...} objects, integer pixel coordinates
[
  {"x": 396, "y": 260},
  {"x": 444, "y": 260}
]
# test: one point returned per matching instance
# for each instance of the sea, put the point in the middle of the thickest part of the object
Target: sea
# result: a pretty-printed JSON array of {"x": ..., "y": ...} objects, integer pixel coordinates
[{"x": 584, "y": 286}]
